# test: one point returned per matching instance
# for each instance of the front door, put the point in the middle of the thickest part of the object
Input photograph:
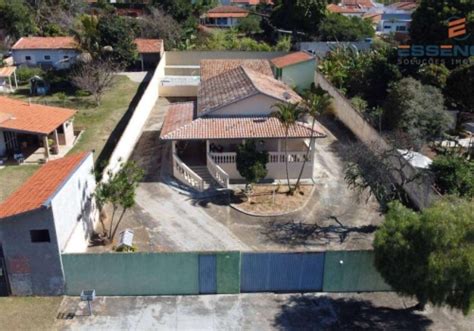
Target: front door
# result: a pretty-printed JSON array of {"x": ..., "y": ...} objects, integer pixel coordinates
[{"x": 3, "y": 276}]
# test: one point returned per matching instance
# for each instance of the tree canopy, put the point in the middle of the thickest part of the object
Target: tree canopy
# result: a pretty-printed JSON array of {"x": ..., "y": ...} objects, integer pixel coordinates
[
  {"x": 454, "y": 174},
  {"x": 460, "y": 87},
  {"x": 298, "y": 15},
  {"x": 336, "y": 27},
  {"x": 429, "y": 255},
  {"x": 251, "y": 163}
]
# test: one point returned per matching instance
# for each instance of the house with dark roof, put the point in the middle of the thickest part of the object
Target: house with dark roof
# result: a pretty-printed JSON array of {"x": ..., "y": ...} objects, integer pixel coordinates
[
  {"x": 295, "y": 69},
  {"x": 53, "y": 212},
  {"x": 46, "y": 52},
  {"x": 224, "y": 16},
  {"x": 34, "y": 133},
  {"x": 235, "y": 102}
]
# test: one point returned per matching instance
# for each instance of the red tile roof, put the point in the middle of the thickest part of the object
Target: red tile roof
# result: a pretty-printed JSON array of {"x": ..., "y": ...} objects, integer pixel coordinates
[
  {"x": 252, "y": 2},
  {"x": 227, "y": 11},
  {"x": 45, "y": 43},
  {"x": 20, "y": 116},
  {"x": 237, "y": 84},
  {"x": 344, "y": 10},
  {"x": 179, "y": 126},
  {"x": 357, "y": 3},
  {"x": 42, "y": 186},
  {"x": 211, "y": 68},
  {"x": 291, "y": 59},
  {"x": 149, "y": 45}
]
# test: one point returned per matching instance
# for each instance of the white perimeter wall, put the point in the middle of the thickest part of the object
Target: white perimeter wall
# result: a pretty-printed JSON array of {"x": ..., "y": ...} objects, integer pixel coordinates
[{"x": 74, "y": 210}]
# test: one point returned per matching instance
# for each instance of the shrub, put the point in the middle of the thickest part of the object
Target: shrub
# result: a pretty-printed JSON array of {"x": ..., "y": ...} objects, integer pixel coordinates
[{"x": 23, "y": 74}]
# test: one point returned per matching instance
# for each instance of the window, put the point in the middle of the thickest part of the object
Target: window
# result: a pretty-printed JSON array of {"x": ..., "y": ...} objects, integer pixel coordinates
[
  {"x": 66, "y": 57},
  {"x": 47, "y": 57},
  {"x": 40, "y": 236},
  {"x": 387, "y": 27},
  {"x": 28, "y": 58},
  {"x": 401, "y": 28}
]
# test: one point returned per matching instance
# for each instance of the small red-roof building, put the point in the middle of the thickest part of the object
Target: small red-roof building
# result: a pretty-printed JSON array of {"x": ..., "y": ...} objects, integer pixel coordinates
[
  {"x": 150, "y": 52},
  {"x": 295, "y": 69},
  {"x": 46, "y": 52},
  {"x": 224, "y": 16},
  {"x": 53, "y": 212},
  {"x": 34, "y": 133}
]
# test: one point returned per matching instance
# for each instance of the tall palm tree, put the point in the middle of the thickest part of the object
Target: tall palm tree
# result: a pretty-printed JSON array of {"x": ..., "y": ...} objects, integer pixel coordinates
[
  {"x": 287, "y": 114},
  {"x": 315, "y": 103}
]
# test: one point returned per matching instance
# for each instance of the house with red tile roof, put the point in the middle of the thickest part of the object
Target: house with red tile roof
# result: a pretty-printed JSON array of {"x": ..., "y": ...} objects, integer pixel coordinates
[
  {"x": 46, "y": 52},
  {"x": 295, "y": 69},
  {"x": 34, "y": 133},
  {"x": 235, "y": 102},
  {"x": 150, "y": 52},
  {"x": 224, "y": 16},
  {"x": 53, "y": 212}
]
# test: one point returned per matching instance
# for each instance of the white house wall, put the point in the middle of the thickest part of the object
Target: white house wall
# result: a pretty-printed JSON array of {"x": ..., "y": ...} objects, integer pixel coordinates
[
  {"x": 75, "y": 213},
  {"x": 37, "y": 57},
  {"x": 257, "y": 105}
]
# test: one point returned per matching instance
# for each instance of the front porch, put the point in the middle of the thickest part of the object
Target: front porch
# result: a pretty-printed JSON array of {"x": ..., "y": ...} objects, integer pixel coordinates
[{"x": 202, "y": 164}]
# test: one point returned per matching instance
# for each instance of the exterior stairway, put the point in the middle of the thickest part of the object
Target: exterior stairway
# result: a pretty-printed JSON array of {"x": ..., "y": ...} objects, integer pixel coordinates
[{"x": 202, "y": 172}]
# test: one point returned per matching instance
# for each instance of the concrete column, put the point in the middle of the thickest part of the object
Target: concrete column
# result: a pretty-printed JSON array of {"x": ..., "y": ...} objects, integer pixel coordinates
[
  {"x": 16, "y": 80},
  {"x": 56, "y": 140},
  {"x": 46, "y": 147},
  {"x": 279, "y": 145},
  {"x": 141, "y": 59},
  {"x": 10, "y": 82},
  {"x": 173, "y": 147}
]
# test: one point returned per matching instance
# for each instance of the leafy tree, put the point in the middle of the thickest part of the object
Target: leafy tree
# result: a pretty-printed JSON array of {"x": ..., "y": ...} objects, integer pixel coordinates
[
  {"x": 251, "y": 163},
  {"x": 250, "y": 24},
  {"x": 229, "y": 40},
  {"x": 459, "y": 87},
  {"x": 416, "y": 109},
  {"x": 316, "y": 102},
  {"x": 430, "y": 21},
  {"x": 283, "y": 44},
  {"x": 287, "y": 114},
  {"x": 17, "y": 18},
  {"x": 298, "y": 15},
  {"x": 434, "y": 75},
  {"x": 429, "y": 255},
  {"x": 116, "y": 32},
  {"x": 336, "y": 27},
  {"x": 119, "y": 191},
  {"x": 454, "y": 174}
]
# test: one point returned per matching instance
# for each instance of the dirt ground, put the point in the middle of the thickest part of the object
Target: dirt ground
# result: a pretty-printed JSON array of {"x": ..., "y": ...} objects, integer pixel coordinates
[
  {"x": 271, "y": 199},
  {"x": 265, "y": 311},
  {"x": 28, "y": 313},
  {"x": 170, "y": 217}
]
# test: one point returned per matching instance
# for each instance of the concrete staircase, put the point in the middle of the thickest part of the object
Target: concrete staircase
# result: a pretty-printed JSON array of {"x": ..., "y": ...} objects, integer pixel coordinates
[{"x": 202, "y": 172}]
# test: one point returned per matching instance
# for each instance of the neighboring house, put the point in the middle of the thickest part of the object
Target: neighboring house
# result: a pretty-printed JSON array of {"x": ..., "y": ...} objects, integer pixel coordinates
[
  {"x": 150, "y": 52},
  {"x": 295, "y": 69},
  {"x": 352, "y": 7},
  {"x": 51, "y": 213},
  {"x": 392, "y": 22},
  {"x": 26, "y": 130},
  {"x": 46, "y": 52},
  {"x": 224, "y": 16},
  {"x": 407, "y": 5},
  {"x": 235, "y": 101}
]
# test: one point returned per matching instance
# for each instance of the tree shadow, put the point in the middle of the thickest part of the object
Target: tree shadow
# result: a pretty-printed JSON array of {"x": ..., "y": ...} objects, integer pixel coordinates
[
  {"x": 297, "y": 233},
  {"x": 214, "y": 197},
  {"x": 326, "y": 313}
]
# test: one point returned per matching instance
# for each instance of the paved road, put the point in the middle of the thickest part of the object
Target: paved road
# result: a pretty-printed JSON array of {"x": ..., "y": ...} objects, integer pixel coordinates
[{"x": 374, "y": 311}]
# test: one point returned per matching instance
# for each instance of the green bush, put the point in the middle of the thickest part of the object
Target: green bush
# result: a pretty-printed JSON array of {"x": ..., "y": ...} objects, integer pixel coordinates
[
  {"x": 81, "y": 94},
  {"x": 24, "y": 74},
  {"x": 61, "y": 96}
]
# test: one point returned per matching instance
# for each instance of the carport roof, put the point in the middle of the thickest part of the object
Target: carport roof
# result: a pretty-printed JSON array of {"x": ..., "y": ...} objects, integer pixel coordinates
[
  {"x": 17, "y": 115},
  {"x": 42, "y": 186}
]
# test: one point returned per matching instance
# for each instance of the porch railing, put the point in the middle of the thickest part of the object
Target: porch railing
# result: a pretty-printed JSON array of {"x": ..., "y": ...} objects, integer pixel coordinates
[
  {"x": 185, "y": 174},
  {"x": 217, "y": 173},
  {"x": 273, "y": 157}
]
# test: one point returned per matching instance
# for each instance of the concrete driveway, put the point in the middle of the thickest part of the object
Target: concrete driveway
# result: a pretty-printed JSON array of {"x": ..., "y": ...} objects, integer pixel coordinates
[{"x": 374, "y": 311}]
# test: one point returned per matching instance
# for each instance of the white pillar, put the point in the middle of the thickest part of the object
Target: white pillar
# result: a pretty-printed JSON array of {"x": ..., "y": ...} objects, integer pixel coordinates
[
  {"x": 46, "y": 147},
  {"x": 10, "y": 82},
  {"x": 16, "y": 80}
]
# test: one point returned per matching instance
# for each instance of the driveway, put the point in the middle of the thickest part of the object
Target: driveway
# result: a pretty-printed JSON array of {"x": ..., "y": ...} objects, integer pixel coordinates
[
  {"x": 374, "y": 311},
  {"x": 168, "y": 218}
]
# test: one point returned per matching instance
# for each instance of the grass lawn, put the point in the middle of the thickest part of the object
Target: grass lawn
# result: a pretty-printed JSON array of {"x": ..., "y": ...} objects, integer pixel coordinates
[
  {"x": 28, "y": 313},
  {"x": 98, "y": 124}
]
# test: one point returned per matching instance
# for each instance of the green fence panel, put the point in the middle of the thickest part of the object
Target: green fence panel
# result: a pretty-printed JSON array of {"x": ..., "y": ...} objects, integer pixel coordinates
[
  {"x": 352, "y": 271},
  {"x": 228, "y": 272},
  {"x": 132, "y": 273}
]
